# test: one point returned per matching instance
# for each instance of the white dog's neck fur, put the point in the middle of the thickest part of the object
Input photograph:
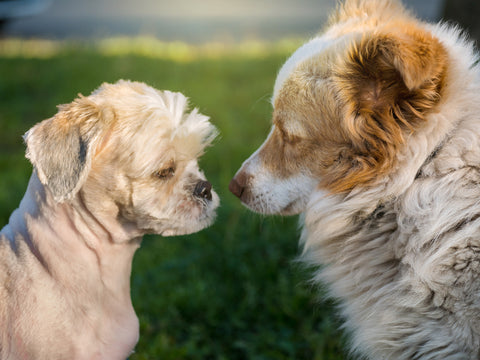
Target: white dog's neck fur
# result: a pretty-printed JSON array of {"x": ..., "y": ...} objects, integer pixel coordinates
[{"x": 90, "y": 272}]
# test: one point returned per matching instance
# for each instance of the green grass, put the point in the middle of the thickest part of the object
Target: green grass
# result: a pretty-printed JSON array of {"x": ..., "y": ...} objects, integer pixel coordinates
[{"x": 233, "y": 291}]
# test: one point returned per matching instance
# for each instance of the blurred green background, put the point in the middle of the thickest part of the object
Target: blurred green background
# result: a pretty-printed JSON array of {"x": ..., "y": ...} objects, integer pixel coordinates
[{"x": 232, "y": 291}]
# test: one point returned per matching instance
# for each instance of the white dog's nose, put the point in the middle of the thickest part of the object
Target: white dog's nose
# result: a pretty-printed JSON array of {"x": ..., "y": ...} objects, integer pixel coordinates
[{"x": 203, "y": 190}]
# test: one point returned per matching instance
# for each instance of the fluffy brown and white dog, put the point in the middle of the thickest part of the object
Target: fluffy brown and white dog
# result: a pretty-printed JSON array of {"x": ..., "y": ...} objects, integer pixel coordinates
[
  {"x": 108, "y": 168},
  {"x": 376, "y": 140}
]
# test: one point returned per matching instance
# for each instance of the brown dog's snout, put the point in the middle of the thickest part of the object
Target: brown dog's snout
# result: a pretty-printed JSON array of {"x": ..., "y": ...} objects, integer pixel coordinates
[
  {"x": 203, "y": 190},
  {"x": 238, "y": 184},
  {"x": 235, "y": 188}
]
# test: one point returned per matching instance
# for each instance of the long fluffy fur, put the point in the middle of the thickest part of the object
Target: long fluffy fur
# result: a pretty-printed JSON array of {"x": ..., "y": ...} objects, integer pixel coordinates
[
  {"x": 376, "y": 140},
  {"x": 404, "y": 255}
]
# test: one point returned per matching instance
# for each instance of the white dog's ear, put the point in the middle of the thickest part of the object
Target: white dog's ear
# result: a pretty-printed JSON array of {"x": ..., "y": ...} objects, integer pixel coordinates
[{"x": 61, "y": 148}]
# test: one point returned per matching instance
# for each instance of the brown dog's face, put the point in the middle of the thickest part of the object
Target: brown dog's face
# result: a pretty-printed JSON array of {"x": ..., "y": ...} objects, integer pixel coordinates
[
  {"x": 131, "y": 153},
  {"x": 345, "y": 105}
]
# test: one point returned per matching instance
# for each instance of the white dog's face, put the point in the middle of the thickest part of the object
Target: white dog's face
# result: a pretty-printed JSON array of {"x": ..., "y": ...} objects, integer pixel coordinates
[
  {"x": 175, "y": 200},
  {"x": 131, "y": 153}
]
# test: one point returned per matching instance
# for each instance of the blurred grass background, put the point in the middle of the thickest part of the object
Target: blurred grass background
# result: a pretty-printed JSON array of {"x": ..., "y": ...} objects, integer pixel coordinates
[{"x": 233, "y": 291}]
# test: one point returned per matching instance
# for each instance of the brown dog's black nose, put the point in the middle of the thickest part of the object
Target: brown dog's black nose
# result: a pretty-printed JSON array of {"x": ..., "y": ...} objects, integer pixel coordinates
[{"x": 203, "y": 190}]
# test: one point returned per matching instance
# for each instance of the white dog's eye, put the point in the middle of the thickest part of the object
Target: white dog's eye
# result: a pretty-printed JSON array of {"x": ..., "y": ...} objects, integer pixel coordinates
[{"x": 165, "y": 173}]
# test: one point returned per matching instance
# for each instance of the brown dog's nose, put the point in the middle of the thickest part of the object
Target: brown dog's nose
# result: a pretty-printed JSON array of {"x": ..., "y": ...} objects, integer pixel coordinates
[
  {"x": 235, "y": 188},
  {"x": 203, "y": 190},
  {"x": 239, "y": 183}
]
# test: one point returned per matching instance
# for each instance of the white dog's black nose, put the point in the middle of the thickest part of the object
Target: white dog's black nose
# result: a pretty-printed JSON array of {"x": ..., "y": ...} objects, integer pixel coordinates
[{"x": 203, "y": 190}]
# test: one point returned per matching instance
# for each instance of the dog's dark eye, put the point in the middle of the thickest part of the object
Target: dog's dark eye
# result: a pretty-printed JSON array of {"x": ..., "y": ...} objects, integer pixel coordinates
[{"x": 165, "y": 173}]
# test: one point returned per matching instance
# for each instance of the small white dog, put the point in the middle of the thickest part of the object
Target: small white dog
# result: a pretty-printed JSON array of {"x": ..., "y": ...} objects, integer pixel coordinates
[
  {"x": 108, "y": 168},
  {"x": 376, "y": 140}
]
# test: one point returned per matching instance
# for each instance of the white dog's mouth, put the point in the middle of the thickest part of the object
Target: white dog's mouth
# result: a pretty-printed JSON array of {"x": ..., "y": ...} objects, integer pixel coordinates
[
  {"x": 195, "y": 221},
  {"x": 194, "y": 213},
  {"x": 189, "y": 207}
]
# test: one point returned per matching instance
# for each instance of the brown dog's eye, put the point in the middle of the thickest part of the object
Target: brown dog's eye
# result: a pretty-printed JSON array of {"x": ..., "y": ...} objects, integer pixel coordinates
[{"x": 165, "y": 173}]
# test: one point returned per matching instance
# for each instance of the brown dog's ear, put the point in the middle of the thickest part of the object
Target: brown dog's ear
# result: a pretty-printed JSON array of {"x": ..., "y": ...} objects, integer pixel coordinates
[
  {"x": 389, "y": 82},
  {"x": 61, "y": 148}
]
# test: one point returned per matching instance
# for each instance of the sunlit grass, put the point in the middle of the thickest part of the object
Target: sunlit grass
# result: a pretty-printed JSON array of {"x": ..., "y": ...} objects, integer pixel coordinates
[
  {"x": 147, "y": 47},
  {"x": 29, "y": 49}
]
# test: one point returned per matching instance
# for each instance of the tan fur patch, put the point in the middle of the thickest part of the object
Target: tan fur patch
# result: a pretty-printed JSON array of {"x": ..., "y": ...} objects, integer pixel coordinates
[{"x": 353, "y": 14}]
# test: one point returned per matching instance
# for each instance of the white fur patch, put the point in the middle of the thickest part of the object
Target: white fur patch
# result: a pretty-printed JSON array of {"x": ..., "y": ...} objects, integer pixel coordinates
[
  {"x": 194, "y": 126},
  {"x": 311, "y": 48}
]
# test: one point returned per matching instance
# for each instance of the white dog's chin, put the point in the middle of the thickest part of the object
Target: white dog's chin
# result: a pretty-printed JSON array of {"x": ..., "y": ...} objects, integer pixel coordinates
[
  {"x": 200, "y": 218},
  {"x": 190, "y": 229}
]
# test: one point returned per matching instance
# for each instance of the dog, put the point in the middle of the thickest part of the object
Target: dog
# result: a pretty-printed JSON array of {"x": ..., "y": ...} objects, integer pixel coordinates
[
  {"x": 108, "y": 168},
  {"x": 375, "y": 141}
]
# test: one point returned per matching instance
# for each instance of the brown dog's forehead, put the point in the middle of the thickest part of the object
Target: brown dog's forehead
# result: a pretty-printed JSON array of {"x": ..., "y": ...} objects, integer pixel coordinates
[
  {"x": 293, "y": 146},
  {"x": 307, "y": 104}
]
